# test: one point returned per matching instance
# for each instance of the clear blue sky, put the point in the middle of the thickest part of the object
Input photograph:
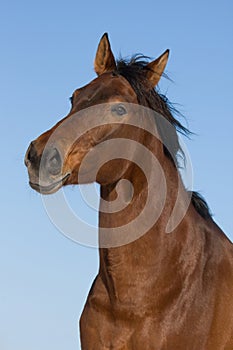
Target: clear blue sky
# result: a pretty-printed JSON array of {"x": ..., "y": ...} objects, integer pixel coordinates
[{"x": 47, "y": 50}]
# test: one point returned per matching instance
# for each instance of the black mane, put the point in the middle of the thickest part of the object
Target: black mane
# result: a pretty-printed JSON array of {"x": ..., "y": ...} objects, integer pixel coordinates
[
  {"x": 133, "y": 70},
  {"x": 200, "y": 205}
]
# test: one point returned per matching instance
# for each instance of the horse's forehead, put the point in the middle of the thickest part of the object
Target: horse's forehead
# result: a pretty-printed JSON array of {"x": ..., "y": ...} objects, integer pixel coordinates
[
  {"x": 107, "y": 85},
  {"x": 109, "y": 80}
]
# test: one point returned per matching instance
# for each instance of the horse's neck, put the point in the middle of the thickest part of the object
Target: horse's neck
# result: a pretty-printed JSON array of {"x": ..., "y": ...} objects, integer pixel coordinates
[{"x": 155, "y": 254}]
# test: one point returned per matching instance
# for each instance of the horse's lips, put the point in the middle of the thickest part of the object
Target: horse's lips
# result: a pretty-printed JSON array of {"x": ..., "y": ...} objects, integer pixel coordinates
[{"x": 50, "y": 188}]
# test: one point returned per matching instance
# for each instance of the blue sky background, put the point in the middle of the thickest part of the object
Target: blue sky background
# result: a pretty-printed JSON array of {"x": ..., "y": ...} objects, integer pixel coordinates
[{"x": 47, "y": 50}]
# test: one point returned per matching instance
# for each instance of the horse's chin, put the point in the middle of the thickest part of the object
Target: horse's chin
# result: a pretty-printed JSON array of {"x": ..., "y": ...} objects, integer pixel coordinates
[{"x": 49, "y": 188}]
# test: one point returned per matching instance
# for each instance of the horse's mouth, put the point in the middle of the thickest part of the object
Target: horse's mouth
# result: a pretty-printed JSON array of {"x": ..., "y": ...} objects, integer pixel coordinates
[{"x": 51, "y": 188}]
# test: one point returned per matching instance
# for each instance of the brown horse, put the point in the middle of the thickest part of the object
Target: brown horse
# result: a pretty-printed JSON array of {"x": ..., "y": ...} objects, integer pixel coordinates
[{"x": 160, "y": 290}]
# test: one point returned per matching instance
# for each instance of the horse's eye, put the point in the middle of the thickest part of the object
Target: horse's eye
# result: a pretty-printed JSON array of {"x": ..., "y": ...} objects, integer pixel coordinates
[{"x": 120, "y": 110}]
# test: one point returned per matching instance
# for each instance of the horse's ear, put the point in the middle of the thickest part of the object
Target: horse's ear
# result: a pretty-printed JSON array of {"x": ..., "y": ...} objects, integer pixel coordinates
[
  {"x": 104, "y": 59},
  {"x": 155, "y": 68}
]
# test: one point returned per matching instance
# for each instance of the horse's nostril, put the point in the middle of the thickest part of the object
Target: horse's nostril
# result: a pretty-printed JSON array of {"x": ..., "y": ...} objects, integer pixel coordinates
[
  {"x": 31, "y": 154},
  {"x": 54, "y": 162}
]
